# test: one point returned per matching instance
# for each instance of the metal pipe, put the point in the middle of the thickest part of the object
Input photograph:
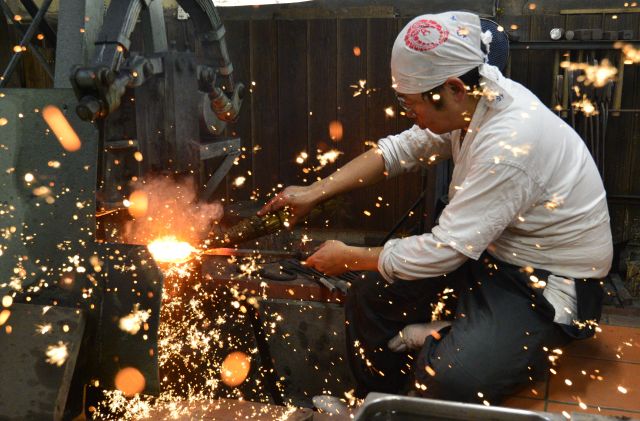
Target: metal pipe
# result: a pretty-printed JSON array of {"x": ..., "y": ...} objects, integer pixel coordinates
[
  {"x": 48, "y": 33},
  {"x": 15, "y": 58},
  {"x": 36, "y": 53}
]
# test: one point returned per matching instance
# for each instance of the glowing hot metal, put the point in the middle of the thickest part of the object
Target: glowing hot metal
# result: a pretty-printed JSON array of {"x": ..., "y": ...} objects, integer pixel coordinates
[{"x": 171, "y": 250}]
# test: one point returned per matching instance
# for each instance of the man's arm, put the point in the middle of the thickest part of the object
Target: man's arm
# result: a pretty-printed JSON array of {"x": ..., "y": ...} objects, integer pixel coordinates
[
  {"x": 395, "y": 154},
  {"x": 366, "y": 169},
  {"x": 335, "y": 257}
]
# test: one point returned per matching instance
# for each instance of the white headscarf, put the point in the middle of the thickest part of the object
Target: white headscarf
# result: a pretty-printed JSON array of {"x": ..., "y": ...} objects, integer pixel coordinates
[{"x": 433, "y": 48}]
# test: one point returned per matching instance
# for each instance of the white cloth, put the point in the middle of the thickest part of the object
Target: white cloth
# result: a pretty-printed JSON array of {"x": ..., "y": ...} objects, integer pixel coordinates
[
  {"x": 432, "y": 48},
  {"x": 524, "y": 188}
]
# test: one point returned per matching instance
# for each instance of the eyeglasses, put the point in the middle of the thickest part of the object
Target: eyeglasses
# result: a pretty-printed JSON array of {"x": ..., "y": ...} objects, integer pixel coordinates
[{"x": 407, "y": 109}]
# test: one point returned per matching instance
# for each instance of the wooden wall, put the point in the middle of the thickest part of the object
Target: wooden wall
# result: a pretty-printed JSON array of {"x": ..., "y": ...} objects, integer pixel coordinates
[
  {"x": 300, "y": 72},
  {"x": 304, "y": 70}
]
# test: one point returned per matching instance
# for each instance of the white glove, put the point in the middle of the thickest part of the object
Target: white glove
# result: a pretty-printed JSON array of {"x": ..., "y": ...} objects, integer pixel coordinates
[{"x": 412, "y": 337}]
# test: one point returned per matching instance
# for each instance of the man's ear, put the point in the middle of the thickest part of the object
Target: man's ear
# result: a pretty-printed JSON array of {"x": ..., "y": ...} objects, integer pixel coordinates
[{"x": 457, "y": 87}]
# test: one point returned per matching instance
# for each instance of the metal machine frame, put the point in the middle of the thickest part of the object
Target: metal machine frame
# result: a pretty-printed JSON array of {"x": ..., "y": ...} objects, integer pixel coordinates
[{"x": 166, "y": 80}]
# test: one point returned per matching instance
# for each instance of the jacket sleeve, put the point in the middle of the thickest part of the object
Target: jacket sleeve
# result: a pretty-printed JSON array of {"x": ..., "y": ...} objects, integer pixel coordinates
[
  {"x": 492, "y": 197},
  {"x": 412, "y": 148}
]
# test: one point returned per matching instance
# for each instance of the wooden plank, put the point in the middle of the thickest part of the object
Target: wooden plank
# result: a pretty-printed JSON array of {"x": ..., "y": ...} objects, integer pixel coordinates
[
  {"x": 292, "y": 98},
  {"x": 238, "y": 40},
  {"x": 9, "y": 39},
  {"x": 600, "y": 11},
  {"x": 518, "y": 66},
  {"x": 540, "y": 69},
  {"x": 323, "y": 95},
  {"x": 352, "y": 110},
  {"x": 264, "y": 105},
  {"x": 381, "y": 35},
  {"x": 622, "y": 140},
  {"x": 409, "y": 185}
]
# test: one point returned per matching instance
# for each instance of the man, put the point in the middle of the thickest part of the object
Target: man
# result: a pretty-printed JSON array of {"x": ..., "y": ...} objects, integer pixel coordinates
[{"x": 523, "y": 242}]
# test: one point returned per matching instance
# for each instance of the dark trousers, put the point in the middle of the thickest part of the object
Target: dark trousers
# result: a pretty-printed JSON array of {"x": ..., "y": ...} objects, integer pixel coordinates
[{"x": 495, "y": 345}]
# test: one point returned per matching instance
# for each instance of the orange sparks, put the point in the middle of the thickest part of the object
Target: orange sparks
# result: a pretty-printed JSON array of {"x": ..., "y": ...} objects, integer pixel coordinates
[
  {"x": 357, "y": 51},
  {"x": 137, "y": 204},
  {"x": 57, "y": 354},
  {"x": 170, "y": 250},
  {"x": 4, "y": 316},
  {"x": 61, "y": 128},
  {"x": 335, "y": 131},
  {"x": 598, "y": 75},
  {"x": 130, "y": 381},
  {"x": 235, "y": 368},
  {"x": 3, "y": 121}
]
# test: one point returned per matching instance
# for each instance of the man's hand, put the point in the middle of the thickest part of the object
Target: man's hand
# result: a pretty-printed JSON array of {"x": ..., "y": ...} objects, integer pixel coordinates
[
  {"x": 412, "y": 337},
  {"x": 335, "y": 257},
  {"x": 300, "y": 200},
  {"x": 332, "y": 258}
]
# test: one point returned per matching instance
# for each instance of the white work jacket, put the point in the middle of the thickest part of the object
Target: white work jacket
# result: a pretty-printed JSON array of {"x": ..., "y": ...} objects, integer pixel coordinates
[{"x": 524, "y": 188}]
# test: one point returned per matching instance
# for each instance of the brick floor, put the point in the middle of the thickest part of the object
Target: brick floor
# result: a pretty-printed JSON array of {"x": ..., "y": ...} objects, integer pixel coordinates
[{"x": 600, "y": 375}]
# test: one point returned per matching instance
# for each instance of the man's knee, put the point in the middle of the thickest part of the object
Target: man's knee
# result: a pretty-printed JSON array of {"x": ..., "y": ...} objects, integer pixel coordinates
[{"x": 444, "y": 378}]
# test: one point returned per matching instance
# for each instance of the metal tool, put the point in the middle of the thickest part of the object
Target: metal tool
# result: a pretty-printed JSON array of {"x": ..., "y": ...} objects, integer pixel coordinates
[
  {"x": 274, "y": 254},
  {"x": 330, "y": 282},
  {"x": 250, "y": 229}
]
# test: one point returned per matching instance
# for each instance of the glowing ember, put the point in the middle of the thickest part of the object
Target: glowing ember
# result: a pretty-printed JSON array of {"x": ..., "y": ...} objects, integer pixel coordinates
[
  {"x": 302, "y": 157},
  {"x": 57, "y": 354},
  {"x": 239, "y": 181},
  {"x": 130, "y": 381},
  {"x": 131, "y": 323},
  {"x": 235, "y": 368},
  {"x": 335, "y": 130},
  {"x": 622, "y": 390},
  {"x": 586, "y": 106},
  {"x": 61, "y": 128},
  {"x": 357, "y": 51},
  {"x": 328, "y": 157},
  {"x": 631, "y": 54},
  {"x": 4, "y": 316},
  {"x": 138, "y": 204},
  {"x": 170, "y": 250},
  {"x": 598, "y": 75},
  {"x": 3, "y": 121},
  {"x": 389, "y": 112},
  {"x": 43, "y": 329}
]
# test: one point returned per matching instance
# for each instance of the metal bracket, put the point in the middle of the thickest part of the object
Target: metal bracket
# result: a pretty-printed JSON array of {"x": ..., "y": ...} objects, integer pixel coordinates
[{"x": 230, "y": 148}]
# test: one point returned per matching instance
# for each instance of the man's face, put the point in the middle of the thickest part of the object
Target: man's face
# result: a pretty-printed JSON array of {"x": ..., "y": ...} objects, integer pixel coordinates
[
  {"x": 424, "y": 112},
  {"x": 439, "y": 111}
]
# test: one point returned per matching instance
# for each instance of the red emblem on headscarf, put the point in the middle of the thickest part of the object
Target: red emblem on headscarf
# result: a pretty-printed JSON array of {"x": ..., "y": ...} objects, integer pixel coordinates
[{"x": 425, "y": 35}]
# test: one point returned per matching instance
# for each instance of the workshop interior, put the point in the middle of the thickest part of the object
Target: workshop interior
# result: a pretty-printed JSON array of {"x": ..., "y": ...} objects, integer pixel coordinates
[{"x": 138, "y": 139}]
